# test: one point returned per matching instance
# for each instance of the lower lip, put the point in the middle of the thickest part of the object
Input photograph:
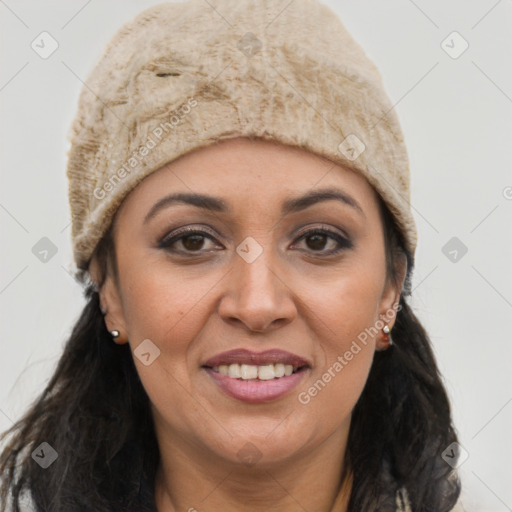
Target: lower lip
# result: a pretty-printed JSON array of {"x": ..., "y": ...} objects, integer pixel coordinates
[{"x": 256, "y": 391}]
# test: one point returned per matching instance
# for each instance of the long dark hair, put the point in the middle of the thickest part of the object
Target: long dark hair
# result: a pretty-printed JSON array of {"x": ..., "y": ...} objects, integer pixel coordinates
[{"x": 96, "y": 414}]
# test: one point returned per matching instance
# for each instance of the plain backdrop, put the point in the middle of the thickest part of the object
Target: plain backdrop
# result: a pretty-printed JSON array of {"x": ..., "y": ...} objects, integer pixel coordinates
[{"x": 456, "y": 113}]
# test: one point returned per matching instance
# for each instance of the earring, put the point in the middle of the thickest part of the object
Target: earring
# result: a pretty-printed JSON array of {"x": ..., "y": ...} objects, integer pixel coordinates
[
  {"x": 114, "y": 334},
  {"x": 387, "y": 338}
]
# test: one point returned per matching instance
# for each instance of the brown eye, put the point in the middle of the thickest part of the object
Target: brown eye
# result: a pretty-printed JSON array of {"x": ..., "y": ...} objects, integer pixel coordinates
[
  {"x": 317, "y": 239},
  {"x": 192, "y": 242},
  {"x": 187, "y": 241}
]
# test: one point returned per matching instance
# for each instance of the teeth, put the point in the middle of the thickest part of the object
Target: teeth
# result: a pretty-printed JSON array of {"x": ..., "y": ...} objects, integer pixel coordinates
[
  {"x": 279, "y": 370},
  {"x": 249, "y": 371},
  {"x": 266, "y": 372},
  {"x": 234, "y": 371}
]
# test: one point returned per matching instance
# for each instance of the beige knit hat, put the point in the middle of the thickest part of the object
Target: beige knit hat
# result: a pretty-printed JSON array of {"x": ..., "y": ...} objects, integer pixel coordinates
[{"x": 184, "y": 75}]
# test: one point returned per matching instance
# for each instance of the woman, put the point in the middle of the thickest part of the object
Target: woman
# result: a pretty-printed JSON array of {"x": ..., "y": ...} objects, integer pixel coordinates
[{"x": 239, "y": 191}]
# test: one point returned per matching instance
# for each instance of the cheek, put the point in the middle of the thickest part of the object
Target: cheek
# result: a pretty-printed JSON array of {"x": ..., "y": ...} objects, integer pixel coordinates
[
  {"x": 348, "y": 303},
  {"x": 346, "y": 309},
  {"x": 169, "y": 309},
  {"x": 165, "y": 306}
]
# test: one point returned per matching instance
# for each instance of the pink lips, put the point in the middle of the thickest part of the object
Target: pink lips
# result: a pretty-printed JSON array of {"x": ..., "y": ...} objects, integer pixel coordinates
[{"x": 254, "y": 390}]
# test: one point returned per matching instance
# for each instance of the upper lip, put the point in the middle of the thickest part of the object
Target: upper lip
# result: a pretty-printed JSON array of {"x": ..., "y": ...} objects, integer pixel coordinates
[{"x": 244, "y": 356}]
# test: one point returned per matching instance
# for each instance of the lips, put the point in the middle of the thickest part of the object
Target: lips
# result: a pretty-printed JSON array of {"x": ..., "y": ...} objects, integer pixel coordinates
[
  {"x": 243, "y": 356},
  {"x": 256, "y": 377}
]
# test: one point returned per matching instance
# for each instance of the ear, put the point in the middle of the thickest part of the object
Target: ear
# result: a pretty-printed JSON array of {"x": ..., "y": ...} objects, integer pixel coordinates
[
  {"x": 390, "y": 300},
  {"x": 110, "y": 303}
]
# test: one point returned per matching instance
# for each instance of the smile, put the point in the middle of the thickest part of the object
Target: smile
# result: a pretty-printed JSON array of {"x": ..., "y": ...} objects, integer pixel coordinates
[
  {"x": 251, "y": 372},
  {"x": 256, "y": 377}
]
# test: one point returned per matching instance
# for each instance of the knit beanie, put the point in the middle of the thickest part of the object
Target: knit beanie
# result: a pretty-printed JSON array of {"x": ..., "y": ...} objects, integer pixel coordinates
[{"x": 182, "y": 76}]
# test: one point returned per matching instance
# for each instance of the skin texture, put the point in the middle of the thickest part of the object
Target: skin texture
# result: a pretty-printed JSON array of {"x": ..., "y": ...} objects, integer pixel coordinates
[{"x": 293, "y": 297}]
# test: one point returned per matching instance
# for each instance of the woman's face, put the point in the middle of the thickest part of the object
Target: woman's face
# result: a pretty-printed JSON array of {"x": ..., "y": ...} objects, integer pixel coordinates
[{"x": 270, "y": 265}]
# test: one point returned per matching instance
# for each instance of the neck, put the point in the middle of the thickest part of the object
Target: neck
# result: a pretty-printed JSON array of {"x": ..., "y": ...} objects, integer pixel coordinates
[{"x": 189, "y": 480}]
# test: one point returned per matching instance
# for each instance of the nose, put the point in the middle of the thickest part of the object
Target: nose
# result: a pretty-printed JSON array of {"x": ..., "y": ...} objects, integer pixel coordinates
[{"x": 258, "y": 295}]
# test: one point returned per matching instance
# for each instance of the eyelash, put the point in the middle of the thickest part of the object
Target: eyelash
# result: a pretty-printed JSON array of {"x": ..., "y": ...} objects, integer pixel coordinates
[{"x": 168, "y": 241}]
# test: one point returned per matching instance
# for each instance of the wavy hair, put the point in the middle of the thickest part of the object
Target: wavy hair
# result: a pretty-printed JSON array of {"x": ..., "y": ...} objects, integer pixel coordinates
[{"x": 96, "y": 414}]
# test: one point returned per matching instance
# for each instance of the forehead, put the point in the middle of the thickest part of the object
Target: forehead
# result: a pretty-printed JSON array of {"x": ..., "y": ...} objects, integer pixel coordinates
[{"x": 245, "y": 173}]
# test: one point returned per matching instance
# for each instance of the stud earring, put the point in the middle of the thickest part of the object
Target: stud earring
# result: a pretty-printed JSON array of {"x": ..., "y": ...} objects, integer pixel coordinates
[
  {"x": 114, "y": 334},
  {"x": 387, "y": 338}
]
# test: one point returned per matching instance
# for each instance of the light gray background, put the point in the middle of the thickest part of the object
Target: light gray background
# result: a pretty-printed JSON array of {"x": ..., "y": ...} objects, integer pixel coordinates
[{"x": 456, "y": 116}]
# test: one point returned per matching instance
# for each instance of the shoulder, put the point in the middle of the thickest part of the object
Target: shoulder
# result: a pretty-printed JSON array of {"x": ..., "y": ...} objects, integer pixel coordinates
[
  {"x": 458, "y": 507},
  {"x": 403, "y": 504},
  {"x": 402, "y": 501},
  {"x": 25, "y": 502}
]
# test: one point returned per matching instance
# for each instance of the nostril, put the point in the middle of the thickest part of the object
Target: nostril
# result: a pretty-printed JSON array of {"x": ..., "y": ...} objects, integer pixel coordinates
[{"x": 172, "y": 73}]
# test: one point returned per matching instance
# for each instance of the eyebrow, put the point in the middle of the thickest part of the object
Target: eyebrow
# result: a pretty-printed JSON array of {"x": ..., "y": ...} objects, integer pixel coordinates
[{"x": 292, "y": 205}]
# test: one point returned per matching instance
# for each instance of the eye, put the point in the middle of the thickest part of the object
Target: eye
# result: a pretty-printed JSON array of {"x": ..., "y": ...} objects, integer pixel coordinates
[
  {"x": 190, "y": 240},
  {"x": 318, "y": 238}
]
